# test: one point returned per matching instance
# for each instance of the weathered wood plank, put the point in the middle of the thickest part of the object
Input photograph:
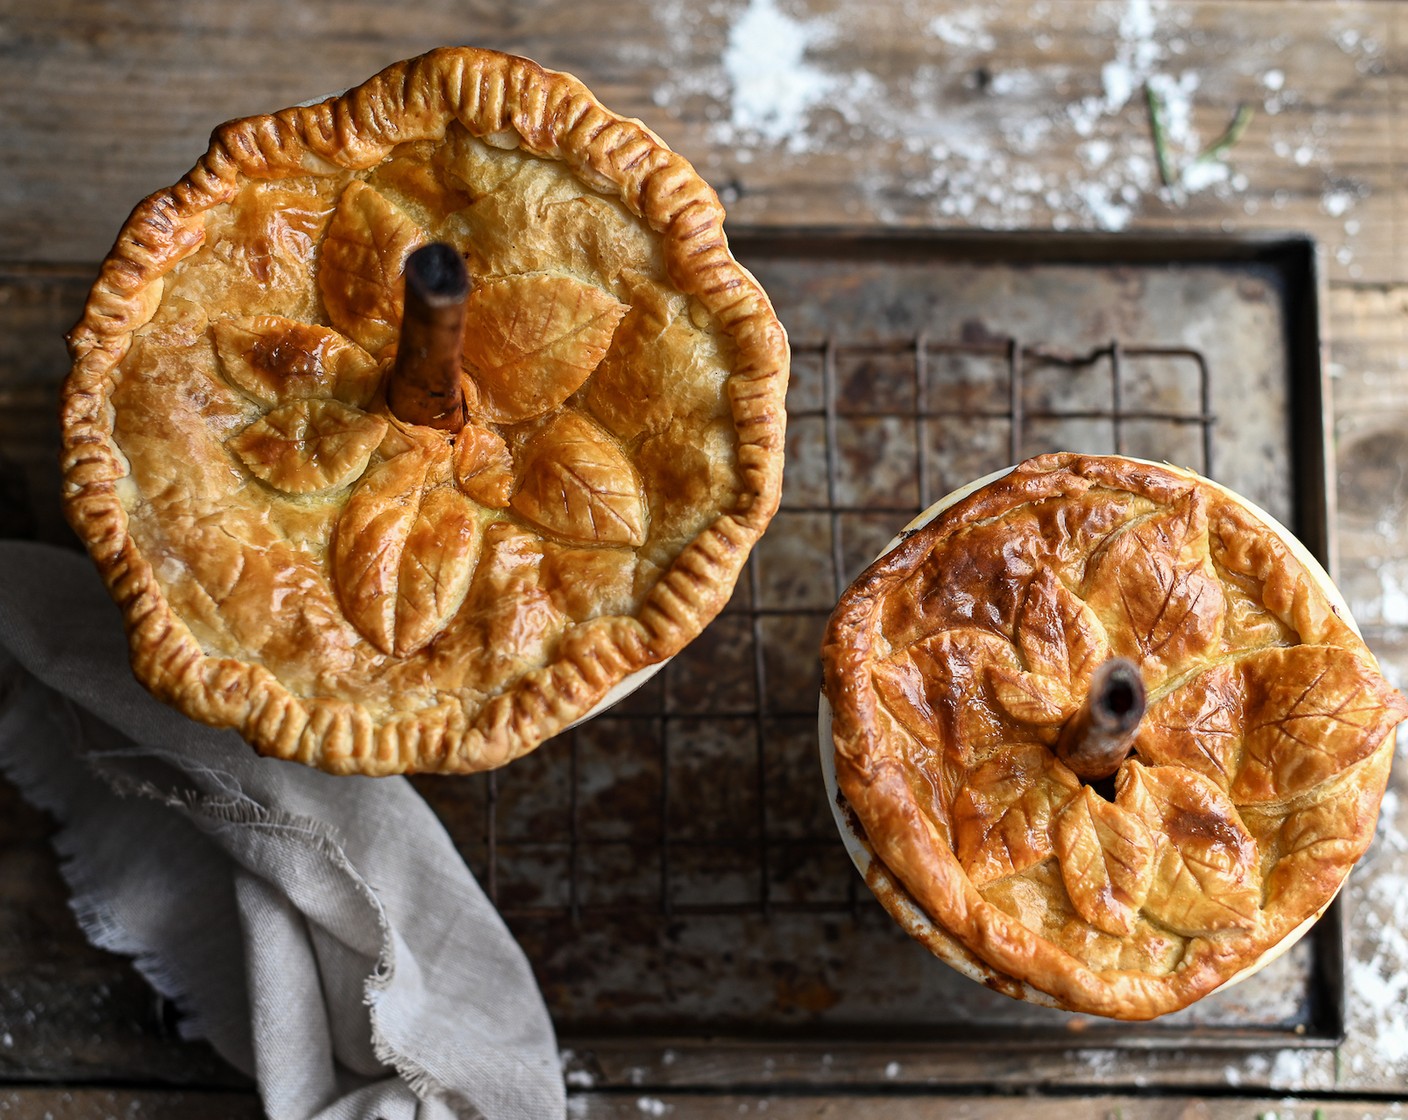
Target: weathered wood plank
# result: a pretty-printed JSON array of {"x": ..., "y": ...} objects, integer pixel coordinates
[
  {"x": 1368, "y": 353},
  {"x": 894, "y": 1107},
  {"x": 1375, "y": 1050},
  {"x": 163, "y": 1104},
  {"x": 1020, "y": 115},
  {"x": 69, "y": 1011},
  {"x": 78, "y": 1103},
  {"x": 37, "y": 307},
  {"x": 71, "y": 1021},
  {"x": 1372, "y": 458},
  {"x": 719, "y": 1065}
]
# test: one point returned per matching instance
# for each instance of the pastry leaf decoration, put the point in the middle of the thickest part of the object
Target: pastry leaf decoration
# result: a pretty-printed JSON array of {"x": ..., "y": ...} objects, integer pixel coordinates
[
  {"x": 1062, "y": 643},
  {"x": 1031, "y": 698},
  {"x": 1298, "y": 735},
  {"x": 274, "y": 360},
  {"x": 483, "y": 466},
  {"x": 1198, "y": 725},
  {"x": 531, "y": 341},
  {"x": 509, "y": 612},
  {"x": 1107, "y": 861},
  {"x": 1324, "y": 835},
  {"x": 1002, "y": 816},
  {"x": 406, "y": 543},
  {"x": 578, "y": 484},
  {"x": 404, "y": 551},
  {"x": 1206, "y": 878},
  {"x": 1155, "y": 588},
  {"x": 1059, "y": 636},
  {"x": 937, "y": 687},
  {"x": 359, "y": 269},
  {"x": 308, "y": 445},
  {"x": 1253, "y": 725},
  {"x": 1240, "y": 719}
]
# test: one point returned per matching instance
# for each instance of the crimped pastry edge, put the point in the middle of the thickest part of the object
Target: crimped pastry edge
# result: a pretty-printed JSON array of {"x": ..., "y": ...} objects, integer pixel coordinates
[
  {"x": 554, "y": 115},
  {"x": 919, "y": 879}
]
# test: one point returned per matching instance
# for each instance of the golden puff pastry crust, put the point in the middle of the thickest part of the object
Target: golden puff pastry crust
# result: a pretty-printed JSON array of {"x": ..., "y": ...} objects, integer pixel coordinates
[
  {"x": 370, "y": 596},
  {"x": 954, "y": 661}
]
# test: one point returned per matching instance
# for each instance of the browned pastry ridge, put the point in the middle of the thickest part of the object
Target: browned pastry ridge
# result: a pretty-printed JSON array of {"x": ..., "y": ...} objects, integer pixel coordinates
[
  {"x": 953, "y": 662},
  {"x": 370, "y": 596}
]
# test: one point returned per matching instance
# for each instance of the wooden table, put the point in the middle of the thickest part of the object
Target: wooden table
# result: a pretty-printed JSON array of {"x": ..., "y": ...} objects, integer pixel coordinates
[{"x": 894, "y": 113}]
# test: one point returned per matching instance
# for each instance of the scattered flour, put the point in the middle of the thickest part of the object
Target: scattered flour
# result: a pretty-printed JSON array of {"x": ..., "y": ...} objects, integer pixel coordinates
[
  {"x": 1100, "y": 1063},
  {"x": 1392, "y": 839},
  {"x": 781, "y": 82},
  {"x": 1390, "y": 605},
  {"x": 1337, "y": 201},
  {"x": 1379, "y": 985},
  {"x": 652, "y": 1106},
  {"x": 965, "y": 29},
  {"x": 1289, "y": 1069},
  {"x": 1202, "y": 174},
  {"x": 1393, "y": 606},
  {"x": 1378, "y": 969},
  {"x": 774, "y": 89}
]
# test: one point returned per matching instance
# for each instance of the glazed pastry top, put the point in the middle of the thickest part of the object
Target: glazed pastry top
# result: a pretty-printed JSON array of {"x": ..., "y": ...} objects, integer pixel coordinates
[{"x": 954, "y": 662}]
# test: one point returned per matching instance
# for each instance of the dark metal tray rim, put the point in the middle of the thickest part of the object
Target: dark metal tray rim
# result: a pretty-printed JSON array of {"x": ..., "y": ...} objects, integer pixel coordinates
[{"x": 1295, "y": 258}]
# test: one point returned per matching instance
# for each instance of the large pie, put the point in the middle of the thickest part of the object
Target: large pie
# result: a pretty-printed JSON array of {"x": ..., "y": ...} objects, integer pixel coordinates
[
  {"x": 955, "y": 662},
  {"x": 364, "y": 594}
]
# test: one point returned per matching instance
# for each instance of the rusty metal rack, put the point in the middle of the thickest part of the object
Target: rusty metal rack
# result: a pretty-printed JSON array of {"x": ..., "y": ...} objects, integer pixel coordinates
[
  {"x": 832, "y": 356},
  {"x": 672, "y": 865}
]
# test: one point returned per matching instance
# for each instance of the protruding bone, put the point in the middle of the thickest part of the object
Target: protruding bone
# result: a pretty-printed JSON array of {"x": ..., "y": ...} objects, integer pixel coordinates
[
  {"x": 425, "y": 384},
  {"x": 1099, "y": 736}
]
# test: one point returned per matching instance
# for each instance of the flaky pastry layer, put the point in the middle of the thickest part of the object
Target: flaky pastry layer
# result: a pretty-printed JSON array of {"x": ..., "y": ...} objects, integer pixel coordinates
[
  {"x": 953, "y": 663},
  {"x": 370, "y": 597}
]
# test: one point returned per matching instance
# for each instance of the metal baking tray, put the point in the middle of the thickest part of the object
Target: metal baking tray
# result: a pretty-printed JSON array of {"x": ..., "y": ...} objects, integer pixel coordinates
[{"x": 672, "y": 868}]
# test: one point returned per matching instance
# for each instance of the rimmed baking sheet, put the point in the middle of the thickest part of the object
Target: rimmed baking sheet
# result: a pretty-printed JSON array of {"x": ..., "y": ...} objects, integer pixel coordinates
[{"x": 671, "y": 866}]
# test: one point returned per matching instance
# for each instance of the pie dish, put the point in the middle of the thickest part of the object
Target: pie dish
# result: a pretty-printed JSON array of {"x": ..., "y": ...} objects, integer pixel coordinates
[
  {"x": 369, "y": 595},
  {"x": 1255, "y": 776}
]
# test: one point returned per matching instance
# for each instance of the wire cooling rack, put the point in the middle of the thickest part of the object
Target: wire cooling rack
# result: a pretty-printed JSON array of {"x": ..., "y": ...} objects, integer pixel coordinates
[
  {"x": 767, "y": 626},
  {"x": 672, "y": 865}
]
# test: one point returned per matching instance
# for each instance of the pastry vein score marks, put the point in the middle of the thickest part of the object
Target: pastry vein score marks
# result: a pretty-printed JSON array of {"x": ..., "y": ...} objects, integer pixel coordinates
[
  {"x": 973, "y": 669},
  {"x": 381, "y": 521}
]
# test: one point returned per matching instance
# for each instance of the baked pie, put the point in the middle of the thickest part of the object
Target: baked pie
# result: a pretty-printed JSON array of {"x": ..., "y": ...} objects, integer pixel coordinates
[
  {"x": 366, "y": 594},
  {"x": 959, "y": 667}
]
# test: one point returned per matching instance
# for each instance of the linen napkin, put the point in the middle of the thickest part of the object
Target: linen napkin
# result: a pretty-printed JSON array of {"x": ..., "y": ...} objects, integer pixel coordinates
[{"x": 322, "y": 933}]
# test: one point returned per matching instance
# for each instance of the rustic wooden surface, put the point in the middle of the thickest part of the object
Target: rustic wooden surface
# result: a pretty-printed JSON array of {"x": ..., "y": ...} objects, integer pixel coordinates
[
  {"x": 1028, "y": 115},
  {"x": 76, "y": 1103}
]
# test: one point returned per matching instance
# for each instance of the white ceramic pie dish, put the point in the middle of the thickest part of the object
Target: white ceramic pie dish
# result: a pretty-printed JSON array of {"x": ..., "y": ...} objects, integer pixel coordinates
[
  {"x": 887, "y": 888},
  {"x": 619, "y": 691}
]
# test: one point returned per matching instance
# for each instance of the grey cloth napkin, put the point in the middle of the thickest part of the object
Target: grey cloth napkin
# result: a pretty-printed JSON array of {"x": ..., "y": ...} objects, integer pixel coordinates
[{"x": 322, "y": 933}]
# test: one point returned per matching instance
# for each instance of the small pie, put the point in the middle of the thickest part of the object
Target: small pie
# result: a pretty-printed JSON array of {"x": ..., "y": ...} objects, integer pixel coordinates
[
  {"x": 954, "y": 662},
  {"x": 373, "y": 596}
]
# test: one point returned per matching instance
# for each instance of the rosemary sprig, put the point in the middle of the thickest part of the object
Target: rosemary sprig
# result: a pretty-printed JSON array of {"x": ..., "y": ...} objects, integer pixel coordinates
[
  {"x": 1214, "y": 151},
  {"x": 1220, "y": 147},
  {"x": 1156, "y": 126}
]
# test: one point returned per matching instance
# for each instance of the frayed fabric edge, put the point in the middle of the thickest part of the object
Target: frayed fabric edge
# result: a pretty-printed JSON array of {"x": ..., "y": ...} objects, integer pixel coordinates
[
  {"x": 213, "y": 812},
  {"x": 244, "y": 811},
  {"x": 94, "y": 917}
]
